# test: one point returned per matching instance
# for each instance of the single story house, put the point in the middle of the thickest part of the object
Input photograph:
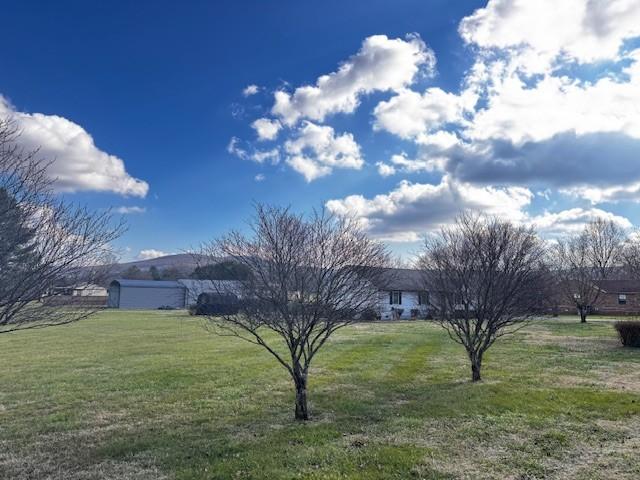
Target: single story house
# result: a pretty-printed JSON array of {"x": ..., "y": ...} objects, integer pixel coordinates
[
  {"x": 89, "y": 290},
  {"x": 618, "y": 297},
  {"x": 81, "y": 290},
  {"x": 401, "y": 294}
]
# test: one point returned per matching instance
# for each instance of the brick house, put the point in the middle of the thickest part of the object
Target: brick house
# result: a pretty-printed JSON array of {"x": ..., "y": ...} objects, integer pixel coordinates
[{"x": 617, "y": 297}]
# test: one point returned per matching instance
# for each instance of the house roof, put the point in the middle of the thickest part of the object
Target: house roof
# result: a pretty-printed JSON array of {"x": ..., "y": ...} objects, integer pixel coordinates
[
  {"x": 123, "y": 282},
  {"x": 87, "y": 286},
  {"x": 401, "y": 279},
  {"x": 619, "y": 286}
]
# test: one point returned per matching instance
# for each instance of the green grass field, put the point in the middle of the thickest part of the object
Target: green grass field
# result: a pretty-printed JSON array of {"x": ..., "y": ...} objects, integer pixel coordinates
[{"x": 147, "y": 395}]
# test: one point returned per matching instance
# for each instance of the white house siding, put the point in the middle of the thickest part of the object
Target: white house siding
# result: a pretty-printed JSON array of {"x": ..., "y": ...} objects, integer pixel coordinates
[{"x": 409, "y": 302}]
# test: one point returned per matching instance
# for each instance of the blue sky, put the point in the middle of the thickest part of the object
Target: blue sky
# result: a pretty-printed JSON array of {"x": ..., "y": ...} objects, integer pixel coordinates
[{"x": 477, "y": 112}]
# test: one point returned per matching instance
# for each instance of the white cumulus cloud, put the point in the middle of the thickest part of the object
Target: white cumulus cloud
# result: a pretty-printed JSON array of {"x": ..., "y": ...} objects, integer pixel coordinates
[
  {"x": 410, "y": 114},
  {"x": 381, "y": 64},
  {"x": 77, "y": 163},
  {"x": 317, "y": 150},
  {"x": 544, "y": 30},
  {"x": 385, "y": 170},
  {"x": 573, "y": 220},
  {"x": 266, "y": 128},
  {"x": 130, "y": 210},
  {"x": 250, "y": 90}
]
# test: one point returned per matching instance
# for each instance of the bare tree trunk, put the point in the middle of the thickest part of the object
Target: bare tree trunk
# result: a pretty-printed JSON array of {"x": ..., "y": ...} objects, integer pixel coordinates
[
  {"x": 583, "y": 314},
  {"x": 302, "y": 410},
  {"x": 476, "y": 364}
]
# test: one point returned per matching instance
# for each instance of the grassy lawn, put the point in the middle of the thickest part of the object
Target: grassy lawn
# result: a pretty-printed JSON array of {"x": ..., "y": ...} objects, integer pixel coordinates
[{"x": 147, "y": 395}]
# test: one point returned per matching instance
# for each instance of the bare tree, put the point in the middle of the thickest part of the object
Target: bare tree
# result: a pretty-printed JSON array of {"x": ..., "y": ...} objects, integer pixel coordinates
[
  {"x": 306, "y": 277},
  {"x": 485, "y": 277},
  {"x": 631, "y": 255},
  {"x": 582, "y": 260},
  {"x": 44, "y": 241}
]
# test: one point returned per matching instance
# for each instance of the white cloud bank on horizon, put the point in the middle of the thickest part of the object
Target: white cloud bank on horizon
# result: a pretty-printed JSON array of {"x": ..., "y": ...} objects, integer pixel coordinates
[
  {"x": 151, "y": 253},
  {"x": 77, "y": 164},
  {"x": 414, "y": 209}
]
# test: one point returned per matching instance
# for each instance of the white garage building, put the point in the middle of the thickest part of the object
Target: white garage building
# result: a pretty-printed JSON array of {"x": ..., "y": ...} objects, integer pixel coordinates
[
  {"x": 145, "y": 294},
  {"x": 153, "y": 294}
]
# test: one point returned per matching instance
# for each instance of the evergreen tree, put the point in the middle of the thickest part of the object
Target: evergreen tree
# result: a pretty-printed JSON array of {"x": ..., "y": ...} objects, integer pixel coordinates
[
  {"x": 155, "y": 273},
  {"x": 133, "y": 273},
  {"x": 225, "y": 270},
  {"x": 171, "y": 273},
  {"x": 17, "y": 246}
]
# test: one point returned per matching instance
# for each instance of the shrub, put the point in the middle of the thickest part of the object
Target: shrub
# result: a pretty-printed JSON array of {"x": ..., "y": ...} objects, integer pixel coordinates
[
  {"x": 216, "y": 309},
  {"x": 629, "y": 332},
  {"x": 369, "y": 315},
  {"x": 216, "y": 304}
]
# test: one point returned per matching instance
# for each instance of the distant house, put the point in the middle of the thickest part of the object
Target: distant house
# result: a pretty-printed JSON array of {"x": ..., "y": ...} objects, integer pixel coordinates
[
  {"x": 80, "y": 290},
  {"x": 88, "y": 290},
  {"x": 617, "y": 297},
  {"x": 401, "y": 294}
]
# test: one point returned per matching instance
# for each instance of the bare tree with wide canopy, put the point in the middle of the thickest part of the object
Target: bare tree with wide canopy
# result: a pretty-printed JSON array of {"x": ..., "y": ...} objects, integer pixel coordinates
[
  {"x": 581, "y": 260},
  {"x": 44, "y": 241},
  {"x": 306, "y": 277},
  {"x": 630, "y": 257},
  {"x": 485, "y": 278}
]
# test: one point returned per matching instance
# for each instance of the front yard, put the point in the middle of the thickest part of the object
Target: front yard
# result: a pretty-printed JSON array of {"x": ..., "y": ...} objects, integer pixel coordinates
[{"x": 147, "y": 395}]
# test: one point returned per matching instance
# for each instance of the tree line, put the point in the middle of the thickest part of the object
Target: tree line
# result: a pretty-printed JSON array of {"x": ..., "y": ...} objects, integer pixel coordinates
[{"x": 216, "y": 270}]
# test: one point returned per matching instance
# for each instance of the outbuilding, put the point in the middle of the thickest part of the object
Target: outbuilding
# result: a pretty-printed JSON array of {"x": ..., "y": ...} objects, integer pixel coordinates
[
  {"x": 153, "y": 294},
  {"x": 146, "y": 294}
]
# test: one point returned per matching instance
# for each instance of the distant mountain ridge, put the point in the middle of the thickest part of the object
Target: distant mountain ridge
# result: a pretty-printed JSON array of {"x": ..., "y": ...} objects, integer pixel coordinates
[
  {"x": 180, "y": 261},
  {"x": 184, "y": 263}
]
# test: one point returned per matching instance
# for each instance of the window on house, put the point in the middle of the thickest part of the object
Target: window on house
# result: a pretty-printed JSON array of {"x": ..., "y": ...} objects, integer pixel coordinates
[
  {"x": 423, "y": 298},
  {"x": 395, "y": 297},
  {"x": 622, "y": 299}
]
